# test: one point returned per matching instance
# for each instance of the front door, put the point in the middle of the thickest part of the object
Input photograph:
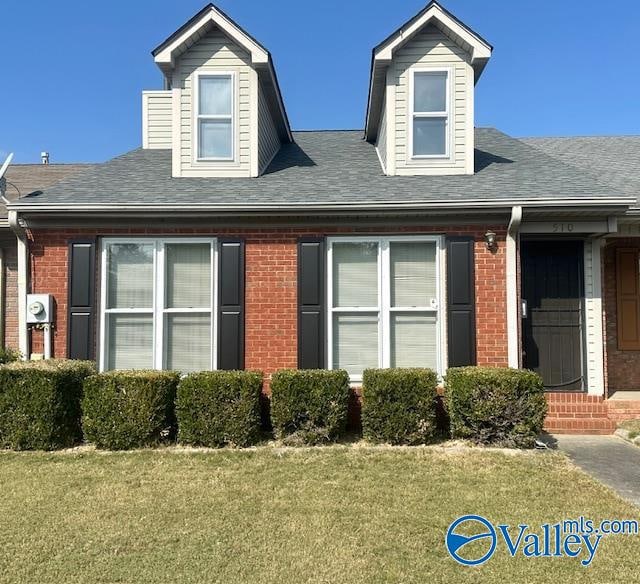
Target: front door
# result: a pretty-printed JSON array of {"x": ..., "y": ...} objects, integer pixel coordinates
[{"x": 552, "y": 291}]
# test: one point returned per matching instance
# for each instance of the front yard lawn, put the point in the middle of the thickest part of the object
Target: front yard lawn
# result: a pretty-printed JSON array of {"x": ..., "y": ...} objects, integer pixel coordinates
[{"x": 344, "y": 514}]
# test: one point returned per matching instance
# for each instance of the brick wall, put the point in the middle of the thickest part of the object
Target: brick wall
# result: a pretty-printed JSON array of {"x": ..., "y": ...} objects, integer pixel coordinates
[
  {"x": 11, "y": 296},
  {"x": 622, "y": 368},
  {"x": 271, "y": 272}
]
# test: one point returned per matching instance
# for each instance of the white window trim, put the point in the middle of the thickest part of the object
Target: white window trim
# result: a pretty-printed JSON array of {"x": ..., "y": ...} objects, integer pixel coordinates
[
  {"x": 384, "y": 308},
  {"x": 157, "y": 311},
  {"x": 195, "y": 106},
  {"x": 447, "y": 114}
]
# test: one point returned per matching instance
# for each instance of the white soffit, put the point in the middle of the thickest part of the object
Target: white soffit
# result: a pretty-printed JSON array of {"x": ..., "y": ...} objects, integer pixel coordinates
[
  {"x": 166, "y": 54},
  {"x": 436, "y": 15}
]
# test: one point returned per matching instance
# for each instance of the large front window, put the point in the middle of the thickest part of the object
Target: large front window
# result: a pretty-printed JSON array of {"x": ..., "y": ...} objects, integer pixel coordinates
[
  {"x": 214, "y": 124},
  {"x": 157, "y": 304},
  {"x": 430, "y": 115},
  {"x": 384, "y": 303}
]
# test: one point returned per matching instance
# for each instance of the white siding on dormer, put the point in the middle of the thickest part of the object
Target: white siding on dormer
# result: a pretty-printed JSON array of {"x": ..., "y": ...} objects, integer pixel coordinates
[
  {"x": 381, "y": 142},
  {"x": 214, "y": 52},
  {"x": 268, "y": 139},
  {"x": 156, "y": 115},
  {"x": 431, "y": 48}
]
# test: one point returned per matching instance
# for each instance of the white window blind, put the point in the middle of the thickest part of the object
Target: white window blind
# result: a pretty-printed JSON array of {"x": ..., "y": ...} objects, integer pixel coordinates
[
  {"x": 157, "y": 303},
  {"x": 384, "y": 303}
]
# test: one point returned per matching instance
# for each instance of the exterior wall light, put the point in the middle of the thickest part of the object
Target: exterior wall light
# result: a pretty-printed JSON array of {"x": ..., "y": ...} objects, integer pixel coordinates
[{"x": 490, "y": 240}]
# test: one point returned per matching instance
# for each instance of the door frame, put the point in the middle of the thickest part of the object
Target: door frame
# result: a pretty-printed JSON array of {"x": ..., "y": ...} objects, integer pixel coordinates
[{"x": 543, "y": 238}]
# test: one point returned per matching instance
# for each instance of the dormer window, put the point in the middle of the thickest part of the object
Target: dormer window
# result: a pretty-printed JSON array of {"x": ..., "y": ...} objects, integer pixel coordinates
[
  {"x": 430, "y": 113},
  {"x": 214, "y": 116}
]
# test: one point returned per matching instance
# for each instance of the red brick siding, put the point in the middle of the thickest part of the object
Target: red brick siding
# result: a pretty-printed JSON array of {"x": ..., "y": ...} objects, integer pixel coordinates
[
  {"x": 622, "y": 368},
  {"x": 271, "y": 272},
  {"x": 11, "y": 296}
]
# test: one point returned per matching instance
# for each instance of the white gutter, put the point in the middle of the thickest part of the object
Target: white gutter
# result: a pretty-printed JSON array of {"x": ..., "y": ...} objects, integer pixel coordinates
[
  {"x": 513, "y": 312},
  {"x": 325, "y": 206},
  {"x": 23, "y": 263}
]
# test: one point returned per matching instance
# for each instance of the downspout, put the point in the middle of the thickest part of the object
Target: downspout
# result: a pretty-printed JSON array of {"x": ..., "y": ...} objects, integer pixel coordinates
[
  {"x": 23, "y": 263},
  {"x": 513, "y": 344}
]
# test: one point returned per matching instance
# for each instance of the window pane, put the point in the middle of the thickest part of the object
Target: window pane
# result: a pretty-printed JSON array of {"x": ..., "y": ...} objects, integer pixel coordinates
[
  {"x": 130, "y": 344},
  {"x": 355, "y": 274},
  {"x": 215, "y": 96},
  {"x": 355, "y": 342},
  {"x": 188, "y": 342},
  {"x": 429, "y": 136},
  {"x": 430, "y": 92},
  {"x": 130, "y": 275},
  {"x": 188, "y": 275},
  {"x": 413, "y": 340},
  {"x": 413, "y": 274},
  {"x": 215, "y": 139}
]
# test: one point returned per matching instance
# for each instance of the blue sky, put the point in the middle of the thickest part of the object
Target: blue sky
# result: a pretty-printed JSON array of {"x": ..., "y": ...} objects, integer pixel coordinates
[{"x": 73, "y": 70}]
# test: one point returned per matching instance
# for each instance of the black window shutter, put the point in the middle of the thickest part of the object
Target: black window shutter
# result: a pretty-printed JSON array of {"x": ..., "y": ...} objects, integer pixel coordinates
[
  {"x": 81, "y": 299},
  {"x": 311, "y": 301},
  {"x": 231, "y": 304},
  {"x": 461, "y": 301}
]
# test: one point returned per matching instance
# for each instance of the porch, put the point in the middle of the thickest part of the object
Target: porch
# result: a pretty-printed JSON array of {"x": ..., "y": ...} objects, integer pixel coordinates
[{"x": 580, "y": 326}]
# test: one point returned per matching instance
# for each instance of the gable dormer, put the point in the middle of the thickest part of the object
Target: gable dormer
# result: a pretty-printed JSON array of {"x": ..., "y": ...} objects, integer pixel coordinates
[
  {"x": 420, "y": 114},
  {"x": 221, "y": 112}
]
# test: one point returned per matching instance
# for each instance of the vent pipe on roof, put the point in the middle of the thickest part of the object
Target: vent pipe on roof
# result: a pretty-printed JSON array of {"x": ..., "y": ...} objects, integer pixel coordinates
[{"x": 45, "y": 157}]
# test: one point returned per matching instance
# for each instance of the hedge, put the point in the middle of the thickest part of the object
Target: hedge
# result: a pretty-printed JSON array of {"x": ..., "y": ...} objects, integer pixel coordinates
[
  {"x": 40, "y": 403},
  {"x": 8, "y": 355},
  {"x": 129, "y": 409},
  {"x": 497, "y": 406},
  {"x": 218, "y": 408},
  {"x": 309, "y": 406},
  {"x": 399, "y": 406}
]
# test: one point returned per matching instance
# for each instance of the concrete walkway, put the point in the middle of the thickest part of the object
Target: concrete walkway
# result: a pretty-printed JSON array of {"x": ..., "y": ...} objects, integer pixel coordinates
[{"x": 609, "y": 459}]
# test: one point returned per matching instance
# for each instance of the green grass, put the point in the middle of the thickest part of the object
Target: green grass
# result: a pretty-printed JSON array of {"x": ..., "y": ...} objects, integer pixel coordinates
[
  {"x": 632, "y": 426},
  {"x": 346, "y": 514}
]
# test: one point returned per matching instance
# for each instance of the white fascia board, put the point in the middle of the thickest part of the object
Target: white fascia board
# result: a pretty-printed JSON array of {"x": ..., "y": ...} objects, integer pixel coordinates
[
  {"x": 258, "y": 54},
  {"x": 480, "y": 50},
  {"x": 383, "y": 56},
  {"x": 465, "y": 206}
]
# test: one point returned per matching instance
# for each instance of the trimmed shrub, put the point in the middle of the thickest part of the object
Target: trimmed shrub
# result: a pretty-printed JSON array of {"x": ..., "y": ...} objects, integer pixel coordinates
[
  {"x": 129, "y": 409},
  {"x": 218, "y": 408},
  {"x": 8, "y": 355},
  {"x": 399, "y": 405},
  {"x": 309, "y": 406},
  {"x": 497, "y": 406},
  {"x": 40, "y": 403}
]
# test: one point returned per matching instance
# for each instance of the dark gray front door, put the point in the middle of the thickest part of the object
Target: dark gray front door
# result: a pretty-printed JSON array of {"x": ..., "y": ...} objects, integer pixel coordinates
[{"x": 552, "y": 288}]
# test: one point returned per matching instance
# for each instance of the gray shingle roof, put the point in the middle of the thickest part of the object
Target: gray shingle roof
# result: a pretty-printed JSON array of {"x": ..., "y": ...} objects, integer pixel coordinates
[
  {"x": 25, "y": 179},
  {"x": 614, "y": 160},
  {"x": 333, "y": 167}
]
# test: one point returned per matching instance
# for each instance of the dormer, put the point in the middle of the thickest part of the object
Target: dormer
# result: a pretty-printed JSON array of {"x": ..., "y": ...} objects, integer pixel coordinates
[
  {"x": 221, "y": 112},
  {"x": 420, "y": 114}
]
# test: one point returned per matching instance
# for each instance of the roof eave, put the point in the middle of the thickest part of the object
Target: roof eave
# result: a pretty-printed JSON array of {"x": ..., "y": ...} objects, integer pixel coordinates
[
  {"x": 382, "y": 54},
  {"x": 165, "y": 54},
  {"x": 623, "y": 203}
]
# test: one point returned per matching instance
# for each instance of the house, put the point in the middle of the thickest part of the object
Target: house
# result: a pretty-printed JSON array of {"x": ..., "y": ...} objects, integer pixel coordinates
[
  {"x": 21, "y": 180},
  {"x": 230, "y": 241}
]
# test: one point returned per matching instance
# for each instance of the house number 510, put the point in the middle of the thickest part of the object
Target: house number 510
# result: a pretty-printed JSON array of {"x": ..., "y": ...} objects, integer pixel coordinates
[{"x": 562, "y": 227}]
